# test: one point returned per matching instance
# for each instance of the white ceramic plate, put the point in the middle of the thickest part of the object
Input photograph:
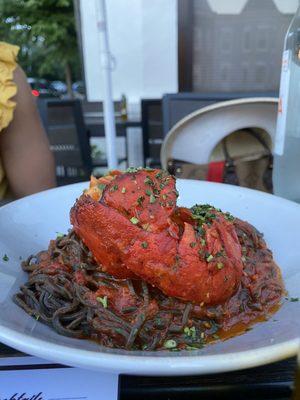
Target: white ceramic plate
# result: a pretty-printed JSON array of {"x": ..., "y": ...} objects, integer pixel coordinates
[{"x": 28, "y": 224}]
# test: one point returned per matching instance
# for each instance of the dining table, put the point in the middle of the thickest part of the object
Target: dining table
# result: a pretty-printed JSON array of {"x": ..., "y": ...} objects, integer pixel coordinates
[{"x": 274, "y": 381}]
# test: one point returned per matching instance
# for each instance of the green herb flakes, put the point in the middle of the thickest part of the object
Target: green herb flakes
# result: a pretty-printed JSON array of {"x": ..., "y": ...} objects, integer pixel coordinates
[
  {"x": 199, "y": 230},
  {"x": 191, "y": 332},
  {"x": 132, "y": 170},
  {"x": 152, "y": 199},
  {"x": 101, "y": 186},
  {"x": 140, "y": 200},
  {"x": 170, "y": 344},
  {"x": 209, "y": 258},
  {"x": 144, "y": 245},
  {"x": 114, "y": 188},
  {"x": 123, "y": 190},
  {"x": 103, "y": 301},
  {"x": 148, "y": 192},
  {"x": 220, "y": 265},
  {"x": 59, "y": 235},
  {"x": 229, "y": 217},
  {"x": 148, "y": 181},
  {"x": 134, "y": 220},
  {"x": 193, "y": 244}
]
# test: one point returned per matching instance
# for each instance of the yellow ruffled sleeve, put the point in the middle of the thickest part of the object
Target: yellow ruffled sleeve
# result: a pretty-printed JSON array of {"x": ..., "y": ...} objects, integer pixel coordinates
[{"x": 8, "y": 89}]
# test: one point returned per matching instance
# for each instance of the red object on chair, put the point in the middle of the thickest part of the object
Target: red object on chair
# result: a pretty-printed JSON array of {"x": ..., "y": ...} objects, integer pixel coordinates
[
  {"x": 35, "y": 93},
  {"x": 215, "y": 171}
]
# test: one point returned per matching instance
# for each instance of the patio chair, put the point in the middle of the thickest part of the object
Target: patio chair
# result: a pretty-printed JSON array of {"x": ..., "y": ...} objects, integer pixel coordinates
[
  {"x": 152, "y": 127},
  {"x": 197, "y": 146},
  {"x": 69, "y": 139}
]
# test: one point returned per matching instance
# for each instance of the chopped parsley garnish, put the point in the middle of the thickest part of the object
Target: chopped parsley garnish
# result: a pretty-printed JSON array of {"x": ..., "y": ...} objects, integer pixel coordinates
[
  {"x": 191, "y": 332},
  {"x": 193, "y": 244},
  {"x": 199, "y": 230},
  {"x": 152, "y": 199},
  {"x": 140, "y": 200},
  {"x": 148, "y": 181},
  {"x": 220, "y": 265},
  {"x": 114, "y": 188},
  {"x": 209, "y": 258},
  {"x": 148, "y": 192},
  {"x": 134, "y": 220},
  {"x": 294, "y": 299},
  {"x": 101, "y": 186},
  {"x": 229, "y": 217},
  {"x": 144, "y": 245},
  {"x": 103, "y": 301},
  {"x": 205, "y": 213},
  {"x": 132, "y": 170},
  {"x": 170, "y": 344},
  {"x": 123, "y": 190},
  {"x": 59, "y": 235}
]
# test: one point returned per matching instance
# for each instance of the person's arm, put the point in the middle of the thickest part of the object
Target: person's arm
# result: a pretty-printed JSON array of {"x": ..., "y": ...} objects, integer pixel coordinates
[{"x": 24, "y": 147}]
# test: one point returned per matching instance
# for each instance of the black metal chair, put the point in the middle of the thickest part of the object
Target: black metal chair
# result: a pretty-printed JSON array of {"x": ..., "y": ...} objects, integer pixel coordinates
[
  {"x": 152, "y": 131},
  {"x": 69, "y": 139}
]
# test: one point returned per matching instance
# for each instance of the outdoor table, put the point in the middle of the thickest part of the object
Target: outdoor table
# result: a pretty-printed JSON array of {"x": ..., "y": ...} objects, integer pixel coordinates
[{"x": 273, "y": 381}]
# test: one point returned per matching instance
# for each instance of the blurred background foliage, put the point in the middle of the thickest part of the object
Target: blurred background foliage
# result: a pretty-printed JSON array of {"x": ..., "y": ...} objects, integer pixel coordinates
[{"x": 46, "y": 33}]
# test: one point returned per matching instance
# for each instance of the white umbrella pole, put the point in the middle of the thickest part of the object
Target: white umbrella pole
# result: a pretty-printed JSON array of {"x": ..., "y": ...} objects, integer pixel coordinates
[{"x": 108, "y": 105}]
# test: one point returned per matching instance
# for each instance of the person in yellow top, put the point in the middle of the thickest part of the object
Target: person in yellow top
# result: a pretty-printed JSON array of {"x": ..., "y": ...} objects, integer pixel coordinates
[{"x": 26, "y": 162}]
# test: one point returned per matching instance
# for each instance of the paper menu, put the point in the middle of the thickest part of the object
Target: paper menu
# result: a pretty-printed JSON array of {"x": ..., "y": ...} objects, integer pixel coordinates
[{"x": 29, "y": 378}]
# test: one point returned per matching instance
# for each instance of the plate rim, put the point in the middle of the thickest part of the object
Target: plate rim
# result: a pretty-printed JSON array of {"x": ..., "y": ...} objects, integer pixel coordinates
[{"x": 152, "y": 365}]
